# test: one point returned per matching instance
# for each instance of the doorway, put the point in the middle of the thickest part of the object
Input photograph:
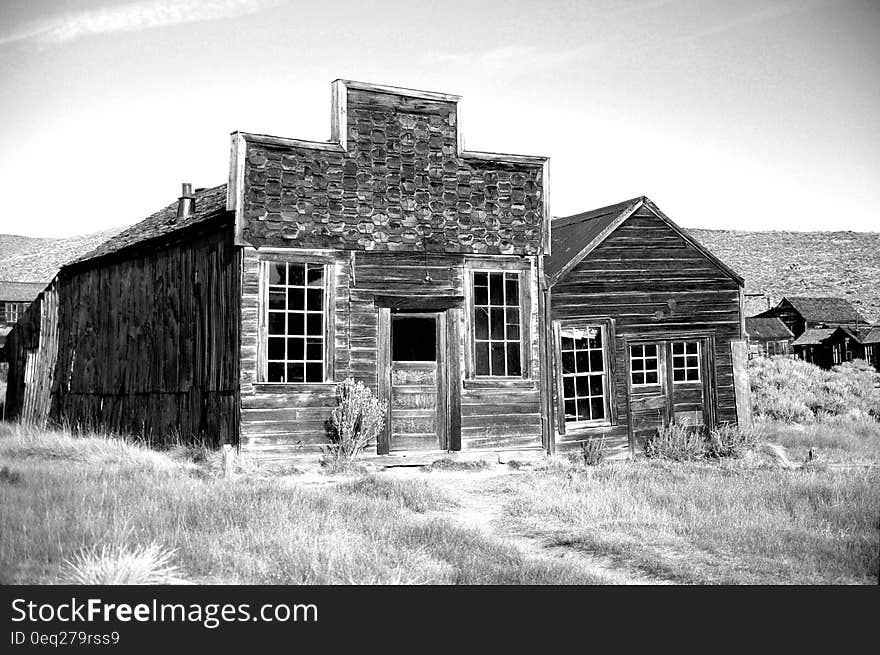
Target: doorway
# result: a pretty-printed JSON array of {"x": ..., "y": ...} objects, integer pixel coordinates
[
  {"x": 417, "y": 381},
  {"x": 669, "y": 383}
]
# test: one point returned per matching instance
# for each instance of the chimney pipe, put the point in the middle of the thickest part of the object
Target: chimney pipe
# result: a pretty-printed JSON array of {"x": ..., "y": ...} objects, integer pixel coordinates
[{"x": 186, "y": 204}]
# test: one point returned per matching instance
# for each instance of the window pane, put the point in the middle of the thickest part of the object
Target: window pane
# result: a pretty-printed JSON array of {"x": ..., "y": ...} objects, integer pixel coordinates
[
  {"x": 296, "y": 299},
  {"x": 597, "y": 405},
  {"x": 512, "y": 322},
  {"x": 677, "y": 348},
  {"x": 482, "y": 358},
  {"x": 583, "y": 361},
  {"x": 596, "y": 386},
  {"x": 678, "y": 375},
  {"x": 314, "y": 372},
  {"x": 568, "y": 387},
  {"x": 481, "y": 279},
  {"x": 638, "y": 364},
  {"x": 568, "y": 362},
  {"x": 276, "y": 348},
  {"x": 596, "y": 362},
  {"x": 513, "y": 364},
  {"x": 583, "y": 385},
  {"x": 651, "y": 378},
  {"x": 481, "y": 323},
  {"x": 481, "y": 291},
  {"x": 275, "y": 372},
  {"x": 276, "y": 298},
  {"x": 498, "y": 359},
  {"x": 296, "y": 275},
  {"x": 296, "y": 349},
  {"x": 315, "y": 349},
  {"x": 570, "y": 411},
  {"x": 296, "y": 323},
  {"x": 651, "y": 350},
  {"x": 595, "y": 341},
  {"x": 314, "y": 324},
  {"x": 276, "y": 323},
  {"x": 316, "y": 275},
  {"x": 277, "y": 273},
  {"x": 315, "y": 300},
  {"x": 496, "y": 323},
  {"x": 583, "y": 409},
  {"x": 511, "y": 288},
  {"x": 496, "y": 288},
  {"x": 567, "y": 343},
  {"x": 296, "y": 373}
]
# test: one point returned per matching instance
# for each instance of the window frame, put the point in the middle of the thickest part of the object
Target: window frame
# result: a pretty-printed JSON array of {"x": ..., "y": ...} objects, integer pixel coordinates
[
  {"x": 685, "y": 354},
  {"x": 327, "y": 311},
  {"x": 523, "y": 270},
  {"x": 645, "y": 385},
  {"x": 608, "y": 345}
]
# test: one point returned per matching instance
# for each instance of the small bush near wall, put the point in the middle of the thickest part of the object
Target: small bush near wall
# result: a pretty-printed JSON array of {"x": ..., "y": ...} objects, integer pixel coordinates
[
  {"x": 682, "y": 443},
  {"x": 592, "y": 451},
  {"x": 355, "y": 423}
]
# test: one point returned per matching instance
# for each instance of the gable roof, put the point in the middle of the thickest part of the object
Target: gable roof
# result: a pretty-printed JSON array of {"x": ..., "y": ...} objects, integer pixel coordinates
[
  {"x": 825, "y": 309},
  {"x": 20, "y": 291},
  {"x": 872, "y": 336},
  {"x": 814, "y": 336},
  {"x": 209, "y": 204},
  {"x": 767, "y": 328},
  {"x": 575, "y": 237}
]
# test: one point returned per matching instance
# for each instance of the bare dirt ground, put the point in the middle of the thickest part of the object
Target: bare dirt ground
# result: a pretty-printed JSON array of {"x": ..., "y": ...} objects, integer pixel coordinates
[{"x": 481, "y": 497}]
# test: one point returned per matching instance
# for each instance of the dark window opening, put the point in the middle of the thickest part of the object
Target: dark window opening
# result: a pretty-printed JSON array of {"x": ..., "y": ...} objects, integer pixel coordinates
[{"x": 413, "y": 339}]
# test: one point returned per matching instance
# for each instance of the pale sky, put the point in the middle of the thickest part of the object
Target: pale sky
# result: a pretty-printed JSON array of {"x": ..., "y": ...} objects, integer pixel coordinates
[{"x": 728, "y": 114}]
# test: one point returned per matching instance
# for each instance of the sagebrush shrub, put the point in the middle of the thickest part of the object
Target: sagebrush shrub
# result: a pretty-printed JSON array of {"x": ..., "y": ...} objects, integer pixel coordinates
[
  {"x": 355, "y": 422},
  {"x": 732, "y": 441},
  {"x": 676, "y": 442},
  {"x": 593, "y": 450}
]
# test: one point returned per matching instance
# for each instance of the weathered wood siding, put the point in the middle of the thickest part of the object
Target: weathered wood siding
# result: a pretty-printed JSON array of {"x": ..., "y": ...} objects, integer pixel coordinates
[
  {"x": 280, "y": 420},
  {"x": 31, "y": 347},
  {"x": 632, "y": 277},
  {"x": 148, "y": 341}
]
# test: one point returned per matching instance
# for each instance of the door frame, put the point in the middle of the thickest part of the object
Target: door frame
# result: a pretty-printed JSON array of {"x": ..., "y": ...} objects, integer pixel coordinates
[
  {"x": 448, "y": 403},
  {"x": 664, "y": 341}
]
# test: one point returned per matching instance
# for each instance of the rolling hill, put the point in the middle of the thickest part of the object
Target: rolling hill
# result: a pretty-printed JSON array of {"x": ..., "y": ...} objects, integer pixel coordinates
[{"x": 845, "y": 264}]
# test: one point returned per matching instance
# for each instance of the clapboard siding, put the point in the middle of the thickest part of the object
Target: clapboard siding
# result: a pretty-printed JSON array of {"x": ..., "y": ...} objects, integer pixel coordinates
[
  {"x": 287, "y": 420},
  {"x": 147, "y": 341},
  {"x": 651, "y": 282}
]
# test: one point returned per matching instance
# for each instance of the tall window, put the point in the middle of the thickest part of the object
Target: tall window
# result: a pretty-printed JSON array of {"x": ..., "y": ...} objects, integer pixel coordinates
[
  {"x": 295, "y": 322},
  {"x": 644, "y": 364},
  {"x": 12, "y": 311},
  {"x": 686, "y": 361},
  {"x": 497, "y": 327},
  {"x": 584, "y": 375}
]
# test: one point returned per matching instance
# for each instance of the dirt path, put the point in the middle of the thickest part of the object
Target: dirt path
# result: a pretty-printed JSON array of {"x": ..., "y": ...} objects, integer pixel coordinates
[{"x": 481, "y": 497}]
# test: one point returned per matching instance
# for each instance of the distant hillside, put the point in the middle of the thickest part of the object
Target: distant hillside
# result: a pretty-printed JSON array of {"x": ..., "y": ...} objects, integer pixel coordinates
[
  {"x": 32, "y": 259},
  {"x": 843, "y": 264}
]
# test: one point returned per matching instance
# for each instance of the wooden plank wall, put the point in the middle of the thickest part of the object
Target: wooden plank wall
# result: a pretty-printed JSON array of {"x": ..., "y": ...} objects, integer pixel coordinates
[
  {"x": 148, "y": 343},
  {"x": 283, "y": 420},
  {"x": 633, "y": 274},
  {"x": 32, "y": 346}
]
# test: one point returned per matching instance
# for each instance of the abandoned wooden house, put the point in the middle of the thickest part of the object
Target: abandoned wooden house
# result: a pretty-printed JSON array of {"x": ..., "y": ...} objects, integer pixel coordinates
[
  {"x": 826, "y": 329},
  {"x": 15, "y": 298},
  {"x": 768, "y": 336},
  {"x": 392, "y": 255},
  {"x": 647, "y": 327}
]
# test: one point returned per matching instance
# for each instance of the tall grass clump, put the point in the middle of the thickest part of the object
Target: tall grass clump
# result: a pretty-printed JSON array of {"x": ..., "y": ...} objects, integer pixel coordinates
[
  {"x": 794, "y": 391},
  {"x": 593, "y": 451},
  {"x": 355, "y": 422},
  {"x": 122, "y": 564}
]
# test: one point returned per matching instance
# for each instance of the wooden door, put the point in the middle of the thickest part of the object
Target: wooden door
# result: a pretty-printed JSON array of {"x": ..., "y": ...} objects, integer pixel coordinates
[
  {"x": 417, "y": 381},
  {"x": 668, "y": 381}
]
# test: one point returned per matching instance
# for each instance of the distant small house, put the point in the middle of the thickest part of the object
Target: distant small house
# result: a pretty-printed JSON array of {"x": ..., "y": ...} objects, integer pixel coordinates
[
  {"x": 814, "y": 321},
  {"x": 15, "y": 298},
  {"x": 768, "y": 336},
  {"x": 827, "y": 347},
  {"x": 800, "y": 313},
  {"x": 870, "y": 342}
]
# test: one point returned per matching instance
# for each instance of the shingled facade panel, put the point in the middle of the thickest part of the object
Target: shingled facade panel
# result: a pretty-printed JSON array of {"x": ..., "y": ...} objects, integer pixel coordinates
[{"x": 397, "y": 181}]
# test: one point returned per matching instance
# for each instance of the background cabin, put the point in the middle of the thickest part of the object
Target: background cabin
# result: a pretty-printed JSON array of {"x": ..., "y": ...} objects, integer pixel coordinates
[
  {"x": 827, "y": 347},
  {"x": 15, "y": 298},
  {"x": 646, "y": 328},
  {"x": 768, "y": 337}
]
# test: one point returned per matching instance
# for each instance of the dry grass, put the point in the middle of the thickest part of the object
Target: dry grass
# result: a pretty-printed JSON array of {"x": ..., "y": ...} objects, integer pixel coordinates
[
  {"x": 77, "y": 494},
  {"x": 741, "y": 521}
]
